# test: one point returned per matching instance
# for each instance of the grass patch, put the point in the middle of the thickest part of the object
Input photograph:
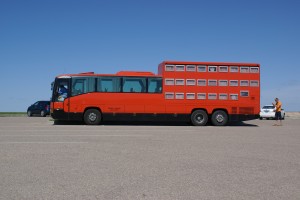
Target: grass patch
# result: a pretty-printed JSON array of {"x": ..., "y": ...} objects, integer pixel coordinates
[{"x": 12, "y": 114}]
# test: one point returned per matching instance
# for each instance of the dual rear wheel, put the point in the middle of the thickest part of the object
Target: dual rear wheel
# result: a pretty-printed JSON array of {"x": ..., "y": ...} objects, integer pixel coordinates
[{"x": 200, "y": 118}]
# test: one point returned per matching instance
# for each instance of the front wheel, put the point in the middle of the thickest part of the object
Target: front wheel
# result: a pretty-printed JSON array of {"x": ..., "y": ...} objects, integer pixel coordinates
[
  {"x": 92, "y": 117},
  {"x": 29, "y": 113},
  {"x": 199, "y": 118},
  {"x": 219, "y": 118}
]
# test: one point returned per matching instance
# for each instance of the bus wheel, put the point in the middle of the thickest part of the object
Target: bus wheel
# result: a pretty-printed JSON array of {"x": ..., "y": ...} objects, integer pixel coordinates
[
  {"x": 199, "y": 118},
  {"x": 92, "y": 117},
  {"x": 219, "y": 118}
]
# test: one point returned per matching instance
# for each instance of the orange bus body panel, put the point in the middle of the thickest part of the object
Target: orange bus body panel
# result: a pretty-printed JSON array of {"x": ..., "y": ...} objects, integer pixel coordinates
[{"x": 186, "y": 86}]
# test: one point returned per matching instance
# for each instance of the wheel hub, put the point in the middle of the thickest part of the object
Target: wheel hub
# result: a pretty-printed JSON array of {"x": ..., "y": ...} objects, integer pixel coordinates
[
  {"x": 92, "y": 117},
  {"x": 220, "y": 118},
  {"x": 199, "y": 118}
]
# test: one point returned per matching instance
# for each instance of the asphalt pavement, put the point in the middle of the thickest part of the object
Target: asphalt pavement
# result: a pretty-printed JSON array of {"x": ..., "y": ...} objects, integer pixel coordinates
[{"x": 251, "y": 160}]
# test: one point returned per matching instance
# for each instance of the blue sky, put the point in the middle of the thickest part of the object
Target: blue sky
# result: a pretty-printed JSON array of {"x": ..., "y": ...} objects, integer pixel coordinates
[{"x": 40, "y": 39}]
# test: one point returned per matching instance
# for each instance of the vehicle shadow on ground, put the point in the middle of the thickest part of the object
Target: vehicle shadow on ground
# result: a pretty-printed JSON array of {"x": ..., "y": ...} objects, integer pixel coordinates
[
  {"x": 124, "y": 123},
  {"x": 131, "y": 123},
  {"x": 247, "y": 124}
]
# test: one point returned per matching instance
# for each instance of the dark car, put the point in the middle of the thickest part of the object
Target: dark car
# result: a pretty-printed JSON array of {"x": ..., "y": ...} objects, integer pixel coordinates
[{"x": 41, "y": 108}]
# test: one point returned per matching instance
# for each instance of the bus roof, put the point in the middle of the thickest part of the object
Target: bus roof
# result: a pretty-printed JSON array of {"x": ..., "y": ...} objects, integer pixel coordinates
[
  {"x": 120, "y": 73},
  {"x": 147, "y": 74},
  {"x": 210, "y": 63},
  {"x": 133, "y": 73}
]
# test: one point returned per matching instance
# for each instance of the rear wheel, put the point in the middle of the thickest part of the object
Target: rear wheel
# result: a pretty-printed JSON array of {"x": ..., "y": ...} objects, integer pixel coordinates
[
  {"x": 29, "y": 113},
  {"x": 199, "y": 118},
  {"x": 43, "y": 113},
  {"x": 92, "y": 117},
  {"x": 219, "y": 118}
]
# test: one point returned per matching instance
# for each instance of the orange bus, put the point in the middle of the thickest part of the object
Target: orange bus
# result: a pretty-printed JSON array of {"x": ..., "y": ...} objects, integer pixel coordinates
[{"x": 197, "y": 92}]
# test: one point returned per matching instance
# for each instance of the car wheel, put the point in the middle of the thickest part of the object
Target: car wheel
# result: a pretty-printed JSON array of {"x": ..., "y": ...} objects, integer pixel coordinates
[
  {"x": 92, "y": 117},
  {"x": 219, "y": 118},
  {"x": 43, "y": 113},
  {"x": 29, "y": 113},
  {"x": 199, "y": 118}
]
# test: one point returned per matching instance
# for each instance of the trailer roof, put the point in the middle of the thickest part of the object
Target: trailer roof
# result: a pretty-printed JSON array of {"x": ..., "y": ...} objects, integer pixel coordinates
[{"x": 210, "y": 63}]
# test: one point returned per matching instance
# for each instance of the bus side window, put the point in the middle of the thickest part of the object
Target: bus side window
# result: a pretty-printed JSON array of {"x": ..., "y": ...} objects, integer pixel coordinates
[
  {"x": 132, "y": 84},
  {"x": 158, "y": 90},
  {"x": 77, "y": 87},
  {"x": 109, "y": 84},
  {"x": 82, "y": 85},
  {"x": 154, "y": 85}
]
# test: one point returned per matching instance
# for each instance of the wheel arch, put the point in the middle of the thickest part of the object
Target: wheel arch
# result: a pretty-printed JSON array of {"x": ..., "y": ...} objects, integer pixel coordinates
[
  {"x": 92, "y": 107},
  {"x": 194, "y": 109},
  {"x": 223, "y": 109}
]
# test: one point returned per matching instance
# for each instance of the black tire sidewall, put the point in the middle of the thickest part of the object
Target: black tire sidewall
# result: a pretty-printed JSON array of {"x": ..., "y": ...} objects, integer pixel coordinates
[
  {"x": 214, "y": 120},
  {"x": 87, "y": 119},
  {"x": 194, "y": 120}
]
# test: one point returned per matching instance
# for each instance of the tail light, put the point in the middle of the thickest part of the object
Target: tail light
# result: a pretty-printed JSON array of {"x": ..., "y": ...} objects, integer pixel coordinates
[{"x": 47, "y": 107}]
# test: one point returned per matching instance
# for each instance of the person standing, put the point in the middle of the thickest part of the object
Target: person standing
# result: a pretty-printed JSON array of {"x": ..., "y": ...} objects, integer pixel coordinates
[{"x": 277, "y": 105}]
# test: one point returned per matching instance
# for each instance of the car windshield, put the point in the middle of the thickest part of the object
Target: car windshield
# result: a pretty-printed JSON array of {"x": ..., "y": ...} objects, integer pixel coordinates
[{"x": 268, "y": 107}]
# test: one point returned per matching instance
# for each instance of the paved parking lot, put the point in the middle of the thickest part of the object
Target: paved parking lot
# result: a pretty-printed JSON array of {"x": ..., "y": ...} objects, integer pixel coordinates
[{"x": 255, "y": 160}]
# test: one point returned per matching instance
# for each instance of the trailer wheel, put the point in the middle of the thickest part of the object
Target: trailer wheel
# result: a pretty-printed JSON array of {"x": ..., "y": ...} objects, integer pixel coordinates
[
  {"x": 92, "y": 117},
  {"x": 219, "y": 118},
  {"x": 199, "y": 118}
]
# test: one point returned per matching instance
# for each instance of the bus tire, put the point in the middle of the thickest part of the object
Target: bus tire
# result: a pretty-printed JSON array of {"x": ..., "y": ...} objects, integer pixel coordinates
[
  {"x": 199, "y": 118},
  {"x": 92, "y": 117},
  {"x": 219, "y": 118}
]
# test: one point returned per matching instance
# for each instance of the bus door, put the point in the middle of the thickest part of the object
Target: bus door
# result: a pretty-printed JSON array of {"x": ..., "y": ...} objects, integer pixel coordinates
[{"x": 60, "y": 97}]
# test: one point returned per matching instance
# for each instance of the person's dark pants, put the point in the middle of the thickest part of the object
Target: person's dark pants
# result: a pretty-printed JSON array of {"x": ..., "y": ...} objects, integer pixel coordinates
[{"x": 278, "y": 115}]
